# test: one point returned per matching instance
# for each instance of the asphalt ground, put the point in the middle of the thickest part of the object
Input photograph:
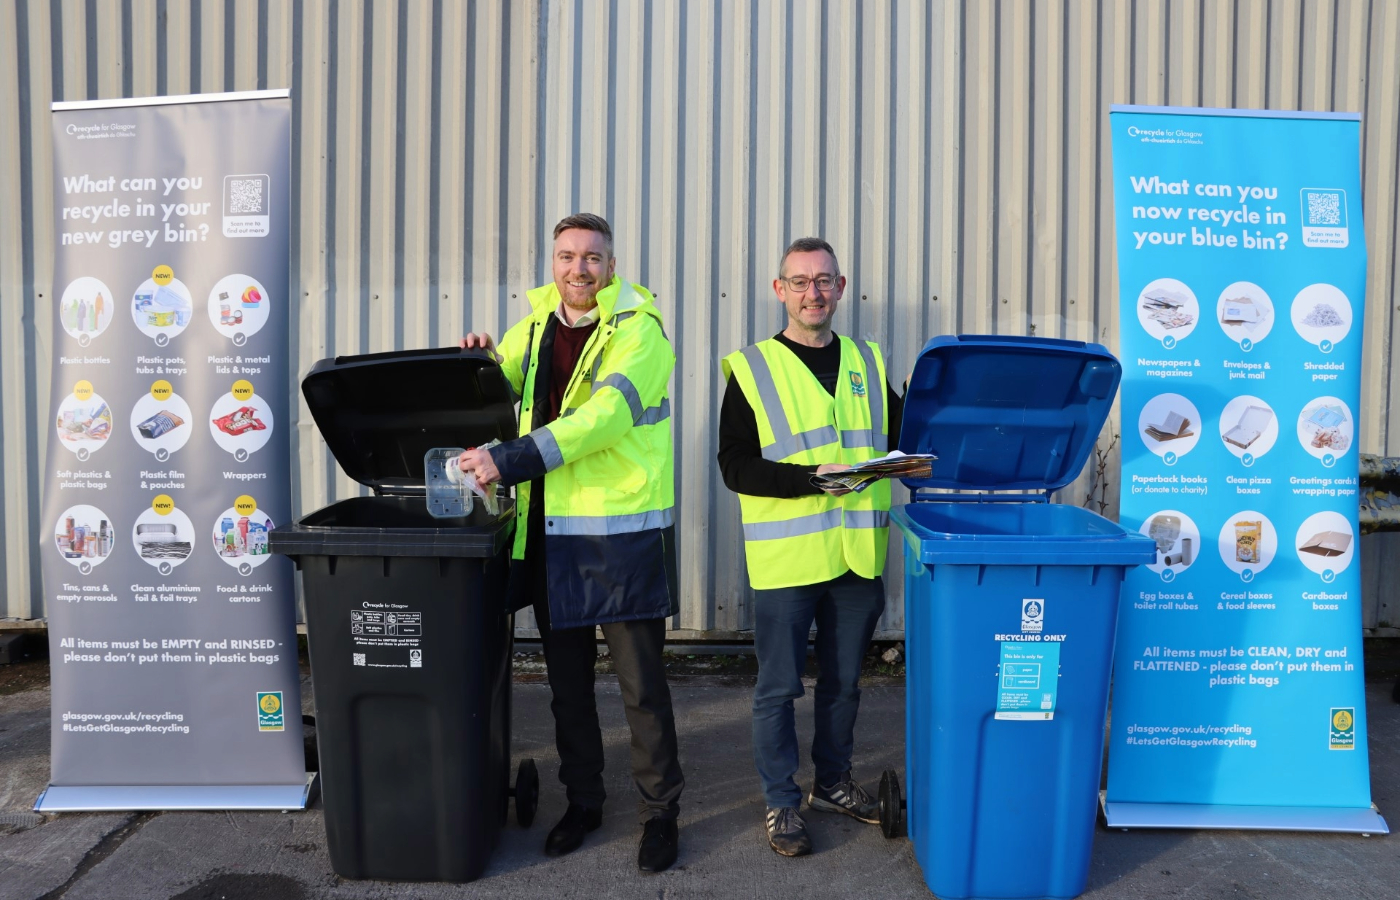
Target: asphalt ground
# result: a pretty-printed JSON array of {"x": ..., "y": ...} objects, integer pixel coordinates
[{"x": 282, "y": 856}]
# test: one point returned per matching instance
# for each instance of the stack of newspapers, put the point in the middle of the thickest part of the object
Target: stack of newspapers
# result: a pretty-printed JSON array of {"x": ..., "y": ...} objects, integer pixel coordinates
[{"x": 863, "y": 475}]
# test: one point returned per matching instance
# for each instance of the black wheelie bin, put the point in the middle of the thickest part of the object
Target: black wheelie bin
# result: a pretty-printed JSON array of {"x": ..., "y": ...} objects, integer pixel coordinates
[{"x": 408, "y": 625}]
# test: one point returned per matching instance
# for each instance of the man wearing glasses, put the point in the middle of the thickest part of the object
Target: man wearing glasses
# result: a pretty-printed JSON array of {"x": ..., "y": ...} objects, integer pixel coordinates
[{"x": 804, "y": 402}]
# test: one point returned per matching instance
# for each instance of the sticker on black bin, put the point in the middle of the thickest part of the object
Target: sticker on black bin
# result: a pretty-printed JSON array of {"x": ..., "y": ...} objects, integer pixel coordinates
[{"x": 387, "y": 639}]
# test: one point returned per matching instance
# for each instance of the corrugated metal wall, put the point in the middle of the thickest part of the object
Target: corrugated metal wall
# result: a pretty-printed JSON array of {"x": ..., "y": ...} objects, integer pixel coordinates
[{"x": 956, "y": 154}]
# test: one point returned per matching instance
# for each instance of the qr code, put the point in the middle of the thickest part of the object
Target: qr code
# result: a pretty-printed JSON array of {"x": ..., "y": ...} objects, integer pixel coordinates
[
  {"x": 359, "y": 659},
  {"x": 245, "y": 196},
  {"x": 1324, "y": 208}
]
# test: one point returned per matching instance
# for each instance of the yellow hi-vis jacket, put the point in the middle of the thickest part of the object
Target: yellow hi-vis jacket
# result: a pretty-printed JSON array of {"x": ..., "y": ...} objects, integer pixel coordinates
[
  {"x": 807, "y": 540},
  {"x": 607, "y": 461}
]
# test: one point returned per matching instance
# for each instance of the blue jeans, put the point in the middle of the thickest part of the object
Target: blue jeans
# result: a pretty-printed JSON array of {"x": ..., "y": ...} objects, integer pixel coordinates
[{"x": 845, "y": 610}]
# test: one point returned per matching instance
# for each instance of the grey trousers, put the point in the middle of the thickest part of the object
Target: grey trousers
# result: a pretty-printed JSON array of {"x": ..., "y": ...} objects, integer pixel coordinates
[{"x": 570, "y": 655}]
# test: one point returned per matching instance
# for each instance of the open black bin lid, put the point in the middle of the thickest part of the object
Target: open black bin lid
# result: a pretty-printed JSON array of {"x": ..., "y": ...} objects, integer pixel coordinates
[
  {"x": 1007, "y": 413},
  {"x": 381, "y": 412}
]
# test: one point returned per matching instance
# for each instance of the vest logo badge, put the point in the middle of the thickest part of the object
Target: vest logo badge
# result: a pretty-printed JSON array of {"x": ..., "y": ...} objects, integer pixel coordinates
[
  {"x": 1032, "y": 616},
  {"x": 270, "y": 717},
  {"x": 857, "y": 384},
  {"x": 1342, "y": 735}
]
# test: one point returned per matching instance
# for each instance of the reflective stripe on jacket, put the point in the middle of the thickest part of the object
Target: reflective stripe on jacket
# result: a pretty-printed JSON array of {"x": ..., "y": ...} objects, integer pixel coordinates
[
  {"x": 607, "y": 461},
  {"x": 807, "y": 540}
]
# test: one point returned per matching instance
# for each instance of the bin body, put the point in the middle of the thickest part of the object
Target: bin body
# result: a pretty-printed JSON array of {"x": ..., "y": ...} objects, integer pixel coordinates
[
  {"x": 1010, "y": 606},
  {"x": 407, "y": 619},
  {"x": 1003, "y": 808},
  {"x": 414, "y": 750}
]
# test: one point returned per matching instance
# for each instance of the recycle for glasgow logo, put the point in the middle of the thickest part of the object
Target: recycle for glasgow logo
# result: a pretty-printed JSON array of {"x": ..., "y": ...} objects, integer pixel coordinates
[
  {"x": 1342, "y": 734},
  {"x": 270, "y": 717}
]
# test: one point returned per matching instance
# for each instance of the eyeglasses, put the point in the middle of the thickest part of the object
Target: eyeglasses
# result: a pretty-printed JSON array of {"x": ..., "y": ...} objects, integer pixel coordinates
[{"x": 800, "y": 283}]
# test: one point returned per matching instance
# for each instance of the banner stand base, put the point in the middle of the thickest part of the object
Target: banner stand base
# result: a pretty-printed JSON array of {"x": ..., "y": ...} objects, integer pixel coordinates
[
  {"x": 1351, "y": 820},
  {"x": 170, "y": 797}
]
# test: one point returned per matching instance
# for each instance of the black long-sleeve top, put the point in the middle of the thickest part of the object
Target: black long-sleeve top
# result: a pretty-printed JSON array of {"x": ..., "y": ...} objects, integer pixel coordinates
[{"x": 741, "y": 461}]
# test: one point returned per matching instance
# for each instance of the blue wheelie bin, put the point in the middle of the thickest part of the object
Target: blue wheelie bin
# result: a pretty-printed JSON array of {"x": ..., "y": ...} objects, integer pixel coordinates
[{"x": 1011, "y": 603}]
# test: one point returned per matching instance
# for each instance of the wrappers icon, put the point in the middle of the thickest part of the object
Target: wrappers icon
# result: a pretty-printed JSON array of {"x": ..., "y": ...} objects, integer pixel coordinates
[{"x": 240, "y": 421}]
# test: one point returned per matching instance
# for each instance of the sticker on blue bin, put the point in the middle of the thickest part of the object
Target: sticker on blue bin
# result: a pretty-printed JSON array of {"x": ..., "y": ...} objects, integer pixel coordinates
[
  {"x": 1028, "y": 681},
  {"x": 1032, "y": 616}
]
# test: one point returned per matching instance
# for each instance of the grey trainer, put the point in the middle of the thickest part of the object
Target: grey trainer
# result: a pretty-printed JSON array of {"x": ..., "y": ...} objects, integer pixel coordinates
[
  {"x": 787, "y": 833},
  {"x": 845, "y": 797}
]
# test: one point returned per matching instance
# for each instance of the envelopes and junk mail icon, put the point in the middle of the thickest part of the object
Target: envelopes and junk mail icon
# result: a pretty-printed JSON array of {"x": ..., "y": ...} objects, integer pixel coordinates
[
  {"x": 1239, "y": 311},
  {"x": 1174, "y": 426},
  {"x": 1243, "y": 312},
  {"x": 1327, "y": 543},
  {"x": 1250, "y": 426}
]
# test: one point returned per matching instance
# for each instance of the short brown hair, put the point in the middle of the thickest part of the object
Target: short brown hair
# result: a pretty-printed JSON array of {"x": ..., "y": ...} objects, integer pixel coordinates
[
  {"x": 808, "y": 245},
  {"x": 587, "y": 222}
]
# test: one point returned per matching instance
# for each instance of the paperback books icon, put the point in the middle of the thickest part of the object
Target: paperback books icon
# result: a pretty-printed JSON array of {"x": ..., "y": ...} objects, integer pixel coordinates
[{"x": 1173, "y": 427}]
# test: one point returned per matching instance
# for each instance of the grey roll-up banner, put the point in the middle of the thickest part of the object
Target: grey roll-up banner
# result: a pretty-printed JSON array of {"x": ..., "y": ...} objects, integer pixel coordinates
[{"x": 172, "y": 631}]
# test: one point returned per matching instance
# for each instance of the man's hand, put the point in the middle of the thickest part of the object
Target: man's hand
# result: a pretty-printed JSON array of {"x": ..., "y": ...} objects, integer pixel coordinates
[
  {"x": 827, "y": 468},
  {"x": 478, "y": 464},
  {"x": 482, "y": 341}
]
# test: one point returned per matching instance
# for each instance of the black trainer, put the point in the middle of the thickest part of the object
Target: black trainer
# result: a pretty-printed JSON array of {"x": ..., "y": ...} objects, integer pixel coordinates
[
  {"x": 787, "y": 833},
  {"x": 845, "y": 797}
]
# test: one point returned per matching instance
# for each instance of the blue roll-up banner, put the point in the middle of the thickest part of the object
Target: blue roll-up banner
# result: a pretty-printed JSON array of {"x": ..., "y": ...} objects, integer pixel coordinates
[{"x": 1239, "y": 699}]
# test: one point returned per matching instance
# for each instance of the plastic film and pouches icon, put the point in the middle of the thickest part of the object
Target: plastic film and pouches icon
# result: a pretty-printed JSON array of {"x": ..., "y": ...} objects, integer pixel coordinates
[{"x": 451, "y": 493}]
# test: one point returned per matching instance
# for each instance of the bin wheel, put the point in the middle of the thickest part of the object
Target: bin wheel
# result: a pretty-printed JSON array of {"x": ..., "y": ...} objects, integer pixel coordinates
[
  {"x": 891, "y": 804},
  {"x": 527, "y": 792}
]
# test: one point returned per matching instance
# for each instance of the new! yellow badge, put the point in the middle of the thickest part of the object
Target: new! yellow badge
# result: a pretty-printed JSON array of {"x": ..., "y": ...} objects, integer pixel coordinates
[{"x": 162, "y": 275}]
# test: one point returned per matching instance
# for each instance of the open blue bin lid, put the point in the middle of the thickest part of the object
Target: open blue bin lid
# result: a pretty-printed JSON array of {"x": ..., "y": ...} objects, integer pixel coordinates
[{"x": 1007, "y": 413}]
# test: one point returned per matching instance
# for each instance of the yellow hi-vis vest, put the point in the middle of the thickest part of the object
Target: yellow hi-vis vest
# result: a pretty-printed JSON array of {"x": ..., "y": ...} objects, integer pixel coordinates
[{"x": 808, "y": 540}]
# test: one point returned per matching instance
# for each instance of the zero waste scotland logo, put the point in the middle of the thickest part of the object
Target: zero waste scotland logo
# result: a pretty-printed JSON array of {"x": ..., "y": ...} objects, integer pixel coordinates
[
  {"x": 1342, "y": 734},
  {"x": 270, "y": 716}
]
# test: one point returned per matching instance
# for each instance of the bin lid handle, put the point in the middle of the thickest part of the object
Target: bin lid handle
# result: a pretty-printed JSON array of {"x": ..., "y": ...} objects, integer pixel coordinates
[{"x": 929, "y": 495}]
